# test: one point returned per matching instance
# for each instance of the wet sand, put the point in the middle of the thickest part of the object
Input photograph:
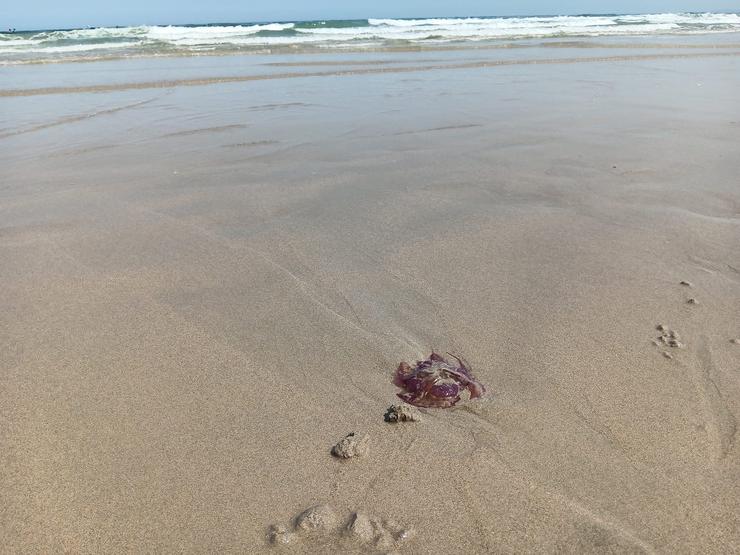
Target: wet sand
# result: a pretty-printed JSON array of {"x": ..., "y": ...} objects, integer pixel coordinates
[{"x": 206, "y": 288}]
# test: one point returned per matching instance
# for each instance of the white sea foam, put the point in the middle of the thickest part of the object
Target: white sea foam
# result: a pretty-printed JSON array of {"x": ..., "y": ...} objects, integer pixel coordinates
[
  {"x": 214, "y": 35},
  {"x": 77, "y": 48},
  {"x": 331, "y": 34}
]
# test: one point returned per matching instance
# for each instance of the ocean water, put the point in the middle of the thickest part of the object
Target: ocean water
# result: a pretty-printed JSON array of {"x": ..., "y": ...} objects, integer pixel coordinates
[{"x": 112, "y": 42}]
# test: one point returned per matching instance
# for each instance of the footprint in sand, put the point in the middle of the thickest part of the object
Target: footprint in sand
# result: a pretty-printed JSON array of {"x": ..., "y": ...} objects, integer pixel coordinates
[
  {"x": 323, "y": 528},
  {"x": 667, "y": 337}
]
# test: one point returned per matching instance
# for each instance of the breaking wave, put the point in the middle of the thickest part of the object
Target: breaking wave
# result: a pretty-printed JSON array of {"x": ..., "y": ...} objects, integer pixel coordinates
[{"x": 27, "y": 47}]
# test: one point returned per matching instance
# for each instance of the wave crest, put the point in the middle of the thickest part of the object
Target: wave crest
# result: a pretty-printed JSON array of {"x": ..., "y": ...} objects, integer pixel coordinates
[{"x": 174, "y": 39}]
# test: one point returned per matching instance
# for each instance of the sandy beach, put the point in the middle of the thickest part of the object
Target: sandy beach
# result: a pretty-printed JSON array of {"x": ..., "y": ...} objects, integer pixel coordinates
[{"x": 212, "y": 266}]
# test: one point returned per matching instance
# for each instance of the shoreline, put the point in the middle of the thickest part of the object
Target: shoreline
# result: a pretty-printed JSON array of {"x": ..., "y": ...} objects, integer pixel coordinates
[
  {"x": 600, "y": 42},
  {"x": 8, "y": 93}
]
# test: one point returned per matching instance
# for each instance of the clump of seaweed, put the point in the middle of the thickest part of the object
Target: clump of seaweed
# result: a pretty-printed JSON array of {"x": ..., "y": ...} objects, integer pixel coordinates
[
  {"x": 402, "y": 413},
  {"x": 436, "y": 382}
]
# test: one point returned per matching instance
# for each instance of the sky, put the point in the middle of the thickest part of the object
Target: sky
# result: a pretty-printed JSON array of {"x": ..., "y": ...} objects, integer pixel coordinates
[{"x": 49, "y": 14}]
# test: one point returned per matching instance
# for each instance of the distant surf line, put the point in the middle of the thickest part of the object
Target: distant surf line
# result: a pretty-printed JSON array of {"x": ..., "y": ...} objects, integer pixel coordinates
[{"x": 96, "y": 43}]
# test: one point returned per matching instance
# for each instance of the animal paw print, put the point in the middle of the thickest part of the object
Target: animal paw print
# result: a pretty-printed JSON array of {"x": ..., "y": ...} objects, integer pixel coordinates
[{"x": 667, "y": 338}]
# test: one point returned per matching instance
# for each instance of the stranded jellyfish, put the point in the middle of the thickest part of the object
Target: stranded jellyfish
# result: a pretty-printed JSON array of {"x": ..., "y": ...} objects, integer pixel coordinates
[{"x": 436, "y": 382}]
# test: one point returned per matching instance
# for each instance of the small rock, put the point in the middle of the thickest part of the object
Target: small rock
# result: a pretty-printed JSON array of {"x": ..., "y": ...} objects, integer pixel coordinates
[
  {"x": 402, "y": 413},
  {"x": 675, "y": 344},
  {"x": 673, "y": 335},
  {"x": 353, "y": 445},
  {"x": 319, "y": 518},
  {"x": 735, "y": 341},
  {"x": 686, "y": 283},
  {"x": 280, "y": 535},
  {"x": 668, "y": 355},
  {"x": 692, "y": 301},
  {"x": 661, "y": 327}
]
